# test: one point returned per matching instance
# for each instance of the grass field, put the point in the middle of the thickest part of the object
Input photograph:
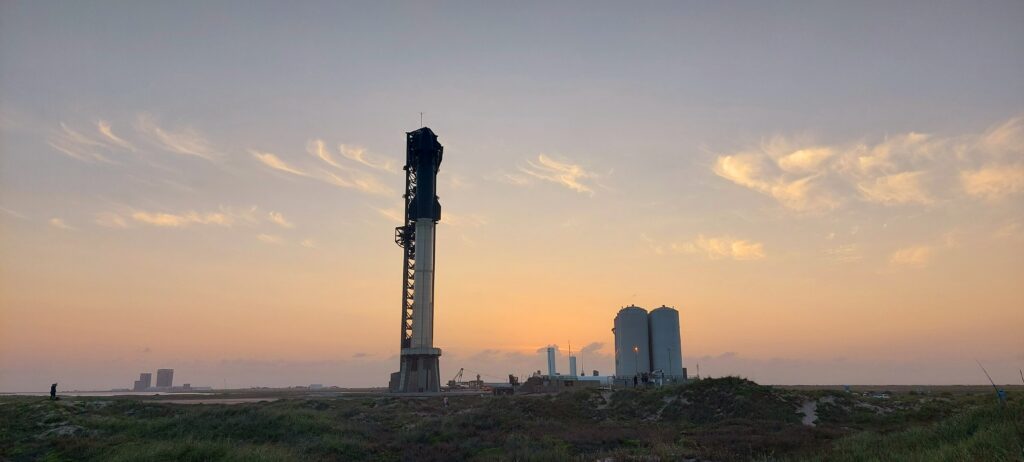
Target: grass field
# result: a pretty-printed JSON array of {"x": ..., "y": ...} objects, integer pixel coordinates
[{"x": 713, "y": 419}]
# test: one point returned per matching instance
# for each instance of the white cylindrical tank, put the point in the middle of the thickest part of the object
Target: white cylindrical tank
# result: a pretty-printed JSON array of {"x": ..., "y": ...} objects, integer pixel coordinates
[
  {"x": 632, "y": 346},
  {"x": 666, "y": 348},
  {"x": 551, "y": 362},
  {"x": 572, "y": 366}
]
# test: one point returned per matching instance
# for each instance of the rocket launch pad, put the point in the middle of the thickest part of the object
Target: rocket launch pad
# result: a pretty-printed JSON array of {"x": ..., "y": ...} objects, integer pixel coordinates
[{"x": 418, "y": 364}]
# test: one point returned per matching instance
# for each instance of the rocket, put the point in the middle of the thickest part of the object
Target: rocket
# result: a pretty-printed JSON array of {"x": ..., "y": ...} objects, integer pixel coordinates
[{"x": 418, "y": 364}]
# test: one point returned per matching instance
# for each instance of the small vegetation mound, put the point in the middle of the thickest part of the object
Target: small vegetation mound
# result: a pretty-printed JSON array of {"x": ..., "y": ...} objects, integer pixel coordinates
[{"x": 716, "y": 400}]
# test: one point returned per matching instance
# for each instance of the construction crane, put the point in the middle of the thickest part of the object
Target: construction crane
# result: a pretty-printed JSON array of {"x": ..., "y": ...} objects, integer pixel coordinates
[{"x": 456, "y": 382}]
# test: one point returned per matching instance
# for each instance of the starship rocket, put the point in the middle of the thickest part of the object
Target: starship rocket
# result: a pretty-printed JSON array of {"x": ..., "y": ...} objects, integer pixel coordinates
[{"x": 418, "y": 366}]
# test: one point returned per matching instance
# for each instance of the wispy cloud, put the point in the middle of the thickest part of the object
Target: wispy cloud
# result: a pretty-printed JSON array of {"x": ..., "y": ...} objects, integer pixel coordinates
[
  {"x": 110, "y": 220},
  {"x": 653, "y": 245},
  {"x": 274, "y": 162},
  {"x": 269, "y": 238},
  {"x": 921, "y": 255},
  {"x": 717, "y": 248},
  {"x": 108, "y": 133},
  {"x": 916, "y": 256},
  {"x": 60, "y": 224},
  {"x": 180, "y": 220},
  {"x": 308, "y": 243},
  {"x": 806, "y": 159},
  {"x": 13, "y": 213},
  {"x": 319, "y": 149},
  {"x": 899, "y": 188},
  {"x": 359, "y": 181},
  {"x": 847, "y": 253},
  {"x": 358, "y": 154},
  {"x": 905, "y": 169},
  {"x": 223, "y": 216},
  {"x": 78, "y": 145},
  {"x": 393, "y": 214},
  {"x": 564, "y": 173},
  {"x": 513, "y": 179},
  {"x": 184, "y": 141},
  {"x": 279, "y": 219},
  {"x": 343, "y": 176},
  {"x": 800, "y": 193},
  {"x": 994, "y": 182}
]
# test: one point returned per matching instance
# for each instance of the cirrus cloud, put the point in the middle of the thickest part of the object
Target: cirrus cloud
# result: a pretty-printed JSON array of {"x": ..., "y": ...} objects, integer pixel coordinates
[
  {"x": 271, "y": 160},
  {"x": 180, "y": 220},
  {"x": 723, "y": 247},
  {"x": 905, "y": 169},
  {"x": 561, "y": 172},
  {"x": 186, "y": 141},
  {"x": 60, "y": 224},
  {"x": 318, "y": 148},
  {"x": 993, "y": 182},
  {"x": 360, "y": 155},
  {"x": 916, "y": 256},
  {"x": 279, "y": 219}
]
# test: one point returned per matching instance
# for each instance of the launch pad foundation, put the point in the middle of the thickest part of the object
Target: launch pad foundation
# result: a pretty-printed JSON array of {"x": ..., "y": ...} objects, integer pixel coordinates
[{"x": 418, "y": 372}]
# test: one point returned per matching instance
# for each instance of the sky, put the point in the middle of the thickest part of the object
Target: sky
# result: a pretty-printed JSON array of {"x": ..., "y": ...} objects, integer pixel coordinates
[{"x": 828, "y": 192}]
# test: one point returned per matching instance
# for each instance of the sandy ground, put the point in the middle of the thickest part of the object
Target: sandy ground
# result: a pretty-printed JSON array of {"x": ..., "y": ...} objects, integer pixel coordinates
[{"x": 810, "y": 410}]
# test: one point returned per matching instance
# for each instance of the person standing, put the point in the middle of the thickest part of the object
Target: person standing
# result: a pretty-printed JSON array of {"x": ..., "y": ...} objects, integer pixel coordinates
[{"x": 53, "y": 392}]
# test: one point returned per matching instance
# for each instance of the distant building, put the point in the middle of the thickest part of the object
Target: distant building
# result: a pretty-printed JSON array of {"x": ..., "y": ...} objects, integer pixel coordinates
[
  {"x": 666, "y": 347},
  {"x": 164, "y": 378},
  {"x": 553, "y": 384},
  {"x": 144, "y": 383},
  {"x": 647, "y": 346},
  {"x": 632, "y": 344}
]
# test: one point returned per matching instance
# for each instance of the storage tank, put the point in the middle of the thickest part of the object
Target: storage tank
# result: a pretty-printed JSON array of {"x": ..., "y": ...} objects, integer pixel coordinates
[
  {"x": 632, "y": 345},
  {"x": 551, "y": 361},
  {"x": 666, "y": 348},
  {"x": 572, "y": 366}
]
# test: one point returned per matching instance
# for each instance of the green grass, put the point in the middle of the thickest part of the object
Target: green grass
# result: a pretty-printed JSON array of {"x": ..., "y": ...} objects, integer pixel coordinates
[
  {"x": 722, "y": 419},
  {"x": 987, "y": 433}
]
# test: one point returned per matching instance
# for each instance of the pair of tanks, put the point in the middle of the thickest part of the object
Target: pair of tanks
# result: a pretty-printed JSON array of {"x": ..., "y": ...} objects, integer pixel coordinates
[{"x": 648, "y": 343}]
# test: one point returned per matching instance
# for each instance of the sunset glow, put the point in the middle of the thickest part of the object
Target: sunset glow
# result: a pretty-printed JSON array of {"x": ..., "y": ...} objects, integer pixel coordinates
[{"x": 215, "y": 190}]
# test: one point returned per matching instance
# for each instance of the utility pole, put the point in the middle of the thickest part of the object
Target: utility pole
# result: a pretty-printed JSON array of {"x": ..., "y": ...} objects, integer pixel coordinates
[
  {"x": 669, "y": 350},
  {"x": 636, "y": 360}
]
